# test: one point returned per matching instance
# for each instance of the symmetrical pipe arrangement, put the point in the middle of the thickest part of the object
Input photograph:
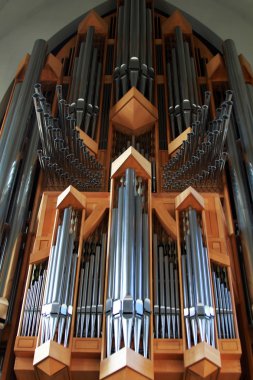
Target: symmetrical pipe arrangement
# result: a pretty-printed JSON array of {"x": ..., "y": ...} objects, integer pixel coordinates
[
  {"x": 198, "y": 303},
  {"x": 182, "y": 84},
  {"x": 85, "y": 85},
  {"x": 128, "y": 292},
  {"x": 33, "y": 302},
  {"x": 18, "y": 164},
  {"x": 134, "y": 62},
  {"x": 201, "y": 158},
  {"x": 64, "y": 156},
  {"x": 166, "y": 288},
  {"x": 91, "y": 287},
  {"x": 241, "y": 158},
  {"x": 223, "y": 303},
  {"x": 144, "y": 144},
  {"x": 59, "y": 292}
]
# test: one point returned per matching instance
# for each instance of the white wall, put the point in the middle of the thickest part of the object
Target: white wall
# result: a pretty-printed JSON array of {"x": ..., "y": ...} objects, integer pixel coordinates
[{"x": 24, "y": 21}]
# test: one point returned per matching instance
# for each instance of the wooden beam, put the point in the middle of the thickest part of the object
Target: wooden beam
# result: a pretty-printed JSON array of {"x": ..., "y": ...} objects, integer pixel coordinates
[
  {"x": 94, "y": 219},
  {"x": 166, "y": 220}
]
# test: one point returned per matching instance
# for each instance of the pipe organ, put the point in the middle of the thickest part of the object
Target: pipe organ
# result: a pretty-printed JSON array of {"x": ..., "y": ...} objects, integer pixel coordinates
[{"x": 126, "y": 204}]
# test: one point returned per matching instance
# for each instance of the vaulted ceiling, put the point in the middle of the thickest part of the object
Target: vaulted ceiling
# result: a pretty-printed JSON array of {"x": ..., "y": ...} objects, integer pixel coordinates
[{"x": 23, "y": 21}]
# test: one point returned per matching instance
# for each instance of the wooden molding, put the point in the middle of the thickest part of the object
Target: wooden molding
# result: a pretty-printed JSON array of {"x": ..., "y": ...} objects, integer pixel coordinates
[
  {"x": 71, "y": 197},
  {"x": 131, "y": 158},
  {"x": 176, "y": 19},
  {"x": 177, "y": 142},
  {"x": 133, "y": 114},
  {"x": 93, "y": 19},
  {"x": 216, "y": 70},
  {"x": 189, "y": 198},
  {"x": 126, "y": 361}
]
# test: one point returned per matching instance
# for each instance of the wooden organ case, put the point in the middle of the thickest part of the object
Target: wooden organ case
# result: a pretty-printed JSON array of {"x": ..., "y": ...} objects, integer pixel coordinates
[{"x": 133, "y": 258}]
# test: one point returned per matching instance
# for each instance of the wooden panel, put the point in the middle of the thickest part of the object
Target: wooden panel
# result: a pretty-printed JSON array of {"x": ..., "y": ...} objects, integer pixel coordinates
[
  {"x": 86, "y": 347},
  {"x": 83, "y": 368},
  {"x": 168, "y": 348},
  {"x": 24, "y": 369},
  {"x": 25, "y": 346}
]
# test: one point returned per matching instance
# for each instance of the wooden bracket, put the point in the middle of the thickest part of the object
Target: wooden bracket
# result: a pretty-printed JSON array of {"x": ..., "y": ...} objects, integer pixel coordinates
[
  {"x": 166, "y": 220},
  {"x": 177, "y": 142},
  {"x": 88, "y": 141},
  {"x": 94, "y": 219}
]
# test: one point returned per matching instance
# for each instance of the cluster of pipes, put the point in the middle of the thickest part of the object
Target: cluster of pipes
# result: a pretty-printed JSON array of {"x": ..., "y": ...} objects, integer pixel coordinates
[
  {"x": 85, "y": 85},
  {"x": 59, "y": 291},
  {"x": 200, "y": 160},
  {"x": 134, "y": 62},
  {"x": 64, "y": 157},
  {"x": 166, "y": 288},
  {"x": 18, "y": 156},
  {"x": 183, "y": 86},
  {"x": 223, "y": 303},
  {"x": 33, "y": 302},
  {"x": 91, "y": 286},
  {"x": 128, "y": 292},
  {"x": 241, "y": 159},
  {"x": 197, "y": 294}
]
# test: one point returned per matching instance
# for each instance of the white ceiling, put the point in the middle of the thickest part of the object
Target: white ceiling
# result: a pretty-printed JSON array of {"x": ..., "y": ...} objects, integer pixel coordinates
[{"x": 23, "y": 21}]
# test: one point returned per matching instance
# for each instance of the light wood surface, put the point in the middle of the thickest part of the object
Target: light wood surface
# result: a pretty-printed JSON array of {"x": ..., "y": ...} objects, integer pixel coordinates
[
  {"x": 189, "y": 198},
  {"x": 71, "y": 197},
  {"x": 133, "y": 114},
  {"x": 126, "y": 358},
  {"x": 131, "y": 158},
  {"x": 177, "y": 142},
  {"x": 88, "y": 141},
  {"x": 93, "y": 19}
]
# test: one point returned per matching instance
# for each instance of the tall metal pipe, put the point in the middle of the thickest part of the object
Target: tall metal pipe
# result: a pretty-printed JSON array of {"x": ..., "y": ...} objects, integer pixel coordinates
[
  {"x": 11, "y": 156},
  {"x": 19, "y": 216},
  {"x": 243, "y": 207},
  {"x": 243, "y": 111}
]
